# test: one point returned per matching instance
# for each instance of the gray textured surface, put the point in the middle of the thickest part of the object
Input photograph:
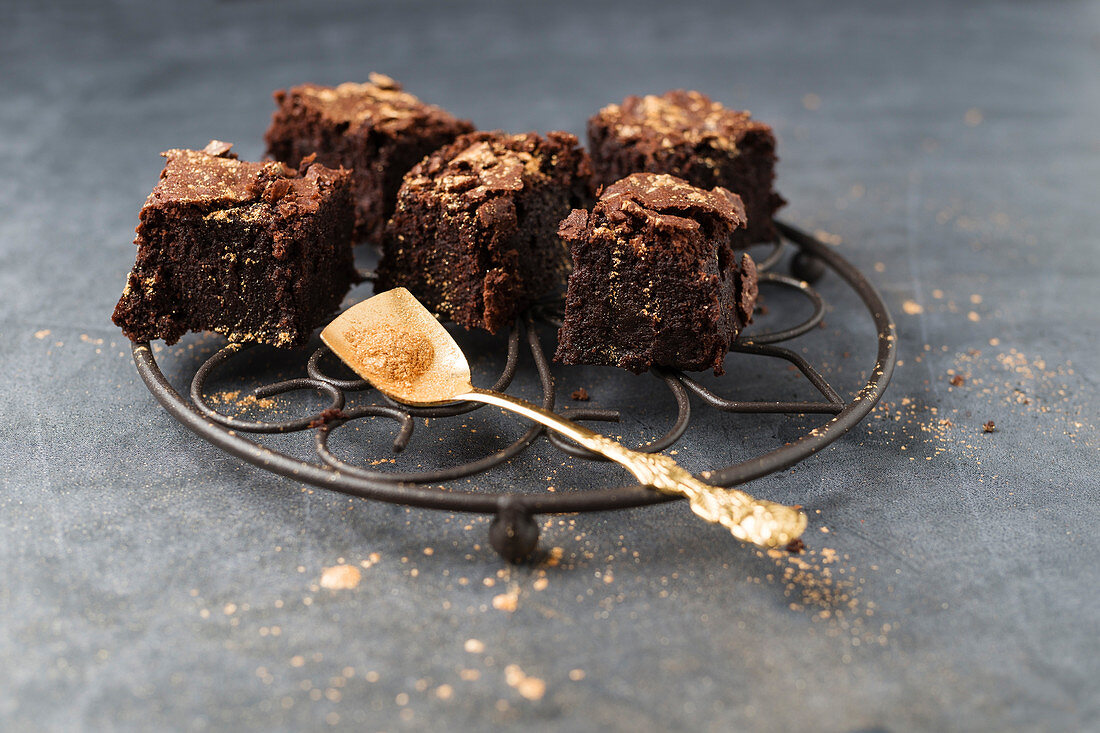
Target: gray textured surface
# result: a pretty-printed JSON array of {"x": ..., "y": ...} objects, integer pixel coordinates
[{"x": 151, "y": 582}]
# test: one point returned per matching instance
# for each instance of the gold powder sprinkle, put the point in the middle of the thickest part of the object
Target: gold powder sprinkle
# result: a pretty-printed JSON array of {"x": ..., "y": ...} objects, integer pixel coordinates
[
  {"x": 811, "y": 101},
  {"x": 474, "y": 646},
  {"x": 973, "y": 117},
  {"x": 531, "y": 688},
  {"x": 42, "y": 334},
  {"x": 912, "y": 307},
  {"x": 507, "y": 601},
  {"x": 553, "y": 558},
  {"x": 513, "y": 673},
  {"x": 392, "y": 355},
  {"x": 340, "y": 577}
]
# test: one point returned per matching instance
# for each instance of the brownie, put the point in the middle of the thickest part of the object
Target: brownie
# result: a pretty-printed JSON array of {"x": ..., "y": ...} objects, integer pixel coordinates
[
  {"x": 687, "y": 135},
  {"x": 376, "y": 129},
  {"x": 474, "y": 235},
  {"x": 655, "y": 280},
  {"x": 254, "y": 251}
]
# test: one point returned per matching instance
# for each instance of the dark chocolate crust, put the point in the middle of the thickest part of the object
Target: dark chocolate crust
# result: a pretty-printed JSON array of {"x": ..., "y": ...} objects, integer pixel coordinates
[
  {"x": 375, "y": 129},
  {"x": 686, "y": 134},
  {"x": 655, "y": 281},
  {"x": 254, "y": 251},
  {"x": 474, "y": 235}
]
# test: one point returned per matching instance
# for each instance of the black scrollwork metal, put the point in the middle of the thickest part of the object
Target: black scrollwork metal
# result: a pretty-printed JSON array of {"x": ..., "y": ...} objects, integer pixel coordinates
[{"x": 513, "y": 532}]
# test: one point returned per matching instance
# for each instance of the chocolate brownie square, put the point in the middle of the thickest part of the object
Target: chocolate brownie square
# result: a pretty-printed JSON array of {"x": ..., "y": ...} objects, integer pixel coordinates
[
  {"x": 254, "y": 251},
  {"x": 375, "y": 129},
  {"x": 474, "y": 235},
  {"x": 655, "y": 281},
  {"x": 688, "y": 135}
]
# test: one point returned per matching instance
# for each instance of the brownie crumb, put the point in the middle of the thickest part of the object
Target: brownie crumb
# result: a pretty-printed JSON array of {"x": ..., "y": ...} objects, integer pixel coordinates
[
  {"x": 306, "y": 162},
  {"x": 958, "y": 380},
  {"x": 795, "y": 546},
  {"x": 989, "y": 427},
  {"x": 219, "y": 149},
  {"x": 580, "y": 394},
  {"x": 329, "y": 414}
]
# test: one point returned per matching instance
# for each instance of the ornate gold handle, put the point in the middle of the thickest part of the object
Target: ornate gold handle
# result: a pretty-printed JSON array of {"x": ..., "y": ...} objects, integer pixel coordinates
[{"x": 759, "y": 521}]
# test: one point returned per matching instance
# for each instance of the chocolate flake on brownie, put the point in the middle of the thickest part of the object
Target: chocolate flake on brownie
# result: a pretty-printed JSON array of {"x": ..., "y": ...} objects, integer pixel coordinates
[
  {"x": 474, "y": 235},
  {"x": 254, "y": 251},
  {"x": 686, "y": 134},
  {"x": 376, "y": 129},
  {"x": 655, "y": 281}
]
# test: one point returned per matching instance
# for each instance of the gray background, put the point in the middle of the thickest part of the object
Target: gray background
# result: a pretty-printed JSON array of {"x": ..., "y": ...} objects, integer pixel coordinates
[{"x": 950, "y": 151}]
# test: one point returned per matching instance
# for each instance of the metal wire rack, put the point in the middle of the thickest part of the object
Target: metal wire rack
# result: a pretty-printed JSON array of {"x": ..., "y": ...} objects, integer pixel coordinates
[{"x": 513, "y": 532}]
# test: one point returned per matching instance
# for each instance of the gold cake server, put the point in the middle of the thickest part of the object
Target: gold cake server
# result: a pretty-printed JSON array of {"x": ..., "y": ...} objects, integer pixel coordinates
[{"x": 397, "y": 345}]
